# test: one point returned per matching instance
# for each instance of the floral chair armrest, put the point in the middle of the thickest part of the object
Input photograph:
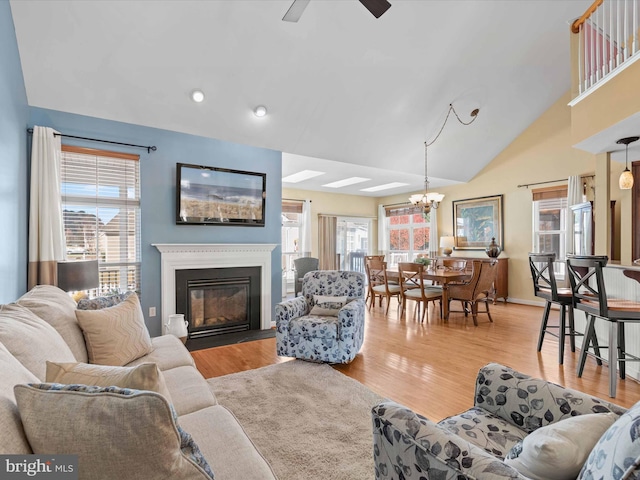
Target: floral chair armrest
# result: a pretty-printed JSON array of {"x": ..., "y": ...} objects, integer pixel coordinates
[
  {"x": 351, "y": 316},
  {"x": 408, "y": 445},
  {"x": 531, "y": 403},
  {"x": 290, "y": 309}
]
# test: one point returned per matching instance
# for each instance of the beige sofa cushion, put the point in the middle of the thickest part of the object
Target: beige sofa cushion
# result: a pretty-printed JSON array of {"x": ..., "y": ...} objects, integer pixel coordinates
[
  {"x": 168, "y": 352},
  {"x": 116, "y": 335},
  {"x": 31, "y": 340},
  {"x": 58, "y": 309},
  {"x": 225, "y": 445},
  {"x": 145, "y": 376},
  {"x": 189, "y": 390},
  {"x": 116, "y": 433},
  {"x": 12, "y": 437}
]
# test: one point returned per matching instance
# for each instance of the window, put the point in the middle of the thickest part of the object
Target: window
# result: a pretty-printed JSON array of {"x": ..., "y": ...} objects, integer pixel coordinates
[
  {"x": 291, "y": 220},
  {"x": 408, "y": 234},
  {"x": 550, "y": 224},
  {"x": 101, "y": 213}
]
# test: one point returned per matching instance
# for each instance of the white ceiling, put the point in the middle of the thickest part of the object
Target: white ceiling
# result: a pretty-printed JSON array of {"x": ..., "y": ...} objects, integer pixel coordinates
[{"x": 339, "y": 85}]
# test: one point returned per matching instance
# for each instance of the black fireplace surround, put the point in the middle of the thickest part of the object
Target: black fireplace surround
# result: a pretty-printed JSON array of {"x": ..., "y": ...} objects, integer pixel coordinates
[{"x": 218, "y": 301}]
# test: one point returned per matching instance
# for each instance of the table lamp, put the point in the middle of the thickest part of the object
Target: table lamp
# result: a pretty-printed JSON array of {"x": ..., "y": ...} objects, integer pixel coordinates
[
  {"x": 76, "y": 276},
  {"x": 446, "y": 244}
]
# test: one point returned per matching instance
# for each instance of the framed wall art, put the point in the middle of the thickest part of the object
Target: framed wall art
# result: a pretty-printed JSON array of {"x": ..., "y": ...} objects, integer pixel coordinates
[{"x": 476, "y": 221}]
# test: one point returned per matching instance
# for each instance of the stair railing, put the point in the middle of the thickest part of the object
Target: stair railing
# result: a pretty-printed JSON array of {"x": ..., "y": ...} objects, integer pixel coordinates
[{"x": 609, "y": 39}]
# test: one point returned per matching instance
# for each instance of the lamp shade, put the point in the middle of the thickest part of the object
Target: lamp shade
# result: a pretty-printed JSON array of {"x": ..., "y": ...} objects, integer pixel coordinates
[
  {"x": 447, "y": 242},
  {"x": 626, "y": 180},
  {"x": 78, "y": 275}
]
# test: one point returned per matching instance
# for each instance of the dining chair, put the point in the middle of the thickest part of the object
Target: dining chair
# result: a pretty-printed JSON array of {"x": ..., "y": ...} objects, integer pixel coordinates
[
  {"x": 379, "y": 285},
  {"x": 475, "y": 290},
  {"x": 590, "y": 296},
  {"x": 412, "y": 287},
  {"x": 546, "y": 287},
  {"x": 302, "y": 266}
]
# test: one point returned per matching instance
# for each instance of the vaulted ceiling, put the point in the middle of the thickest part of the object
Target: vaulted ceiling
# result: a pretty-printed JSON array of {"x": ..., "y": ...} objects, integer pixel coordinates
[{"x": 346, "y": 94}]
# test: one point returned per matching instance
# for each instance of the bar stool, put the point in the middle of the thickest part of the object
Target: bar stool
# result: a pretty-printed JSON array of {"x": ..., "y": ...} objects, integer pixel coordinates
[
  {"x": 545, "y": 286},
  {"x": 589, "y": 294}
]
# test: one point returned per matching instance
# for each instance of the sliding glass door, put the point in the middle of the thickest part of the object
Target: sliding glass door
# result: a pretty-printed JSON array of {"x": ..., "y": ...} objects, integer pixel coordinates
[{"x": 353, "y": 242}]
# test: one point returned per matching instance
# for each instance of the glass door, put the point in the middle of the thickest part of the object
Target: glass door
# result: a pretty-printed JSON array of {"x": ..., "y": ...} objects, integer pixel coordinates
[{"x": 352, "y": 242}]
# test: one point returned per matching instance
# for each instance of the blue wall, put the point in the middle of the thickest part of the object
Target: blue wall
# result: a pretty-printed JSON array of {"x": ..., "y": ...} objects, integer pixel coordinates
[
  {"x": 13, "y": 163},
  {"x": 157, "y": 172}
]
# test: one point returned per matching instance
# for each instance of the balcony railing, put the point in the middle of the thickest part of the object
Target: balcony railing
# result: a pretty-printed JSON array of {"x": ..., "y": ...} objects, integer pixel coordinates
[{"x": 609, "y": 39}]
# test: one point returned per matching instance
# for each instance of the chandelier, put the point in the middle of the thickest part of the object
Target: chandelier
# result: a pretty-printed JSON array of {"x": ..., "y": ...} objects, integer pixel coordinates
[{"x": 429, "y": 200}]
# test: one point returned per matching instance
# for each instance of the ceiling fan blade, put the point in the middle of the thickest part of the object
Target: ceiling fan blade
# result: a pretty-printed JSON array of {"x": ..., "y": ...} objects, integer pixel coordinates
[
  {"x": 295, "y": 10},
  {"x": 376, "y": 7}
]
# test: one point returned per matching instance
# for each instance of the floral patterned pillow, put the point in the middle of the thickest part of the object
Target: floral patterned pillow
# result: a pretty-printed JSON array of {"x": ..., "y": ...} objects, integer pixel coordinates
[{"x": 617, "y": 453}]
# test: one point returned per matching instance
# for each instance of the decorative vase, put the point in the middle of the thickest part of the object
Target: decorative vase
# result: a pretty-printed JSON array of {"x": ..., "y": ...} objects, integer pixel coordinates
[
  {"x": 176, "y": 325},
  {"x": 493, "y": 250}
]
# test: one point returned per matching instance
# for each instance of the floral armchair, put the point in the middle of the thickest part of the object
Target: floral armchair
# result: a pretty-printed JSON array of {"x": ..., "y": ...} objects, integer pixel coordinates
[
  {"x": 330, "y": 336},
  {"x": 473, "y": 445}
]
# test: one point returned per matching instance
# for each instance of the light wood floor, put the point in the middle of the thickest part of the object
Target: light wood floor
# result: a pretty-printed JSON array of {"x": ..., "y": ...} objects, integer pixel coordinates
[{"x": 431, "y": 367}]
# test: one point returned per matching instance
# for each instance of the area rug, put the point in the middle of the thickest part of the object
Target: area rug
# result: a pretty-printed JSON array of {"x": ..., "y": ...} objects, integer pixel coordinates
[{"x": 308, "y": 420}]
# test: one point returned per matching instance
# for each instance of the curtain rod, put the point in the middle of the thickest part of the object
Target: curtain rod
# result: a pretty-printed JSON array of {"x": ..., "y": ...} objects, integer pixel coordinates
[
  {"x": 552, "y": 181},
  {"x": 150, "y": 149},
  {"x": 295, "y": 200},
  {"x": 396, "y": 204}
]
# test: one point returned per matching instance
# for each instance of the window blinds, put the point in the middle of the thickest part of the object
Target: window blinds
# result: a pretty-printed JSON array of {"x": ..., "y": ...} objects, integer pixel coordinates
[{"x": 101, "y": 212}]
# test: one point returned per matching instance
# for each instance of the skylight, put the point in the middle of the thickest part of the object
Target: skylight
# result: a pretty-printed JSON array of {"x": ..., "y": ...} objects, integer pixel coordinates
[
  {"x": 301, "y": 176},
  {"x": 385, "y": 186},
  {"x": 346, "y": 182}
]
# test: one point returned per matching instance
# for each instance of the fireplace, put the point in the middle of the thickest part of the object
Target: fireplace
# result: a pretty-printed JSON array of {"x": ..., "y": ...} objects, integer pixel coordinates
[
  {"x": 219, "y": 300},
  {"x": 189, "y": 256}
]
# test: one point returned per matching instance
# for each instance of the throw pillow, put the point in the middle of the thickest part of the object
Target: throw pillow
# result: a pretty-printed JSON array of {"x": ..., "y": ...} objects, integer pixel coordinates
[
  {"x": 617, "y": 453},
  {"x": 116, "y": 432},
  {"x": 557, "y": 451},
  {"x": 145, "y": 376},
  {"x": 57, "y": 308},
  {"x": 116, "y": 335},
  {"x": 326, "y": 305},
  {"x": 98, "y": 303},
  {"x": 31, "y": 340}
]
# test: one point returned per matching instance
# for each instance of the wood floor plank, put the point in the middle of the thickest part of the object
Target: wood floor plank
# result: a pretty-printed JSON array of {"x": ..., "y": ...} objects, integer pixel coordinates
[{"x": 431, "y": 367}]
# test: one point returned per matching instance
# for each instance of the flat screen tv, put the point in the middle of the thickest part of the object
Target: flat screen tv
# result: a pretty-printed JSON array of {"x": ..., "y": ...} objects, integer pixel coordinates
[{"x": 219, "y": 196}]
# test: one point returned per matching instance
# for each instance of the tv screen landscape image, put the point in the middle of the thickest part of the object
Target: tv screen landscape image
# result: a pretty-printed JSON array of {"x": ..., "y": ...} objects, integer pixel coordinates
[{"x": 219, "y": 196}]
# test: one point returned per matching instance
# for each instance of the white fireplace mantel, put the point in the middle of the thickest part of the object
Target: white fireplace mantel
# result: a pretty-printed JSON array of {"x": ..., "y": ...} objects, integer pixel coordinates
[{"x": 185, "y": 256}]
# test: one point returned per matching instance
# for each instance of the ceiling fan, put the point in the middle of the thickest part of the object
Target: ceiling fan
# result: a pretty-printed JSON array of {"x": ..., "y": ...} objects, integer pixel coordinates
[{"x": 376, "y": 7}]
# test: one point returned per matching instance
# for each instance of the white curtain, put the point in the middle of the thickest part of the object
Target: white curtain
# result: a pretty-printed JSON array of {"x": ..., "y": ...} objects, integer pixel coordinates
[
  {"x": 433, "y": 233},
  {"x": 46, "y": 230},
  {"x": 383, "y": 231},
  {"x": 574, "y": 196},
  {"x": 305, "y": 229}
]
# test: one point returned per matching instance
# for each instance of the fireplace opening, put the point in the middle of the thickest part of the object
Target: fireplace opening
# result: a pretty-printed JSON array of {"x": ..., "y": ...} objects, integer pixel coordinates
[{"x": 216, "y": 301}]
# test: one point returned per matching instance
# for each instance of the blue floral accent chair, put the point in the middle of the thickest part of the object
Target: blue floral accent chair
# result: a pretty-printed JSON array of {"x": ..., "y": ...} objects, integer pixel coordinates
[
  {"x": 472, "y": 445},
  {"x": 332, "y": 338}
]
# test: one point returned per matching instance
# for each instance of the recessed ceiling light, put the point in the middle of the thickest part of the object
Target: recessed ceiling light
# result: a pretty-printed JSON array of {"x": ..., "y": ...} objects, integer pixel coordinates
[
  {"x": 386, "y": 186},
  {"x": 346, "y": 182},
  {"x": 302, "y": 176},
  {"x": 260, "y": 111},
  {"x": 197, "y": 96}
]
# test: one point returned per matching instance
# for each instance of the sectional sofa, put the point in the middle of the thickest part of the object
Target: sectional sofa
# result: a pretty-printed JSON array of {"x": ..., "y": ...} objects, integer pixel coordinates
[{"x": 177, "y": 431}]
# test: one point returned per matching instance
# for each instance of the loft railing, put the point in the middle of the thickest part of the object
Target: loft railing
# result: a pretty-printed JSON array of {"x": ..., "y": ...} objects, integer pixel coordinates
[{"x": 609, "y": 38}]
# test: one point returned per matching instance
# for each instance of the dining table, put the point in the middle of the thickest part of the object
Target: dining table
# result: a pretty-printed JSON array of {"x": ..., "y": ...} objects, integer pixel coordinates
[{"x": 442, "y": 276}]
